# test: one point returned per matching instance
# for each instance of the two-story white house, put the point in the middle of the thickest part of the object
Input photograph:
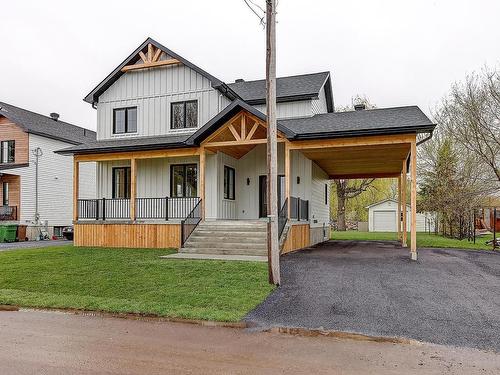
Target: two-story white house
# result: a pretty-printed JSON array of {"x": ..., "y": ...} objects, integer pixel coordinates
[
  {"x": 36, "y": 183},
  {"x": 181, "y": 156}
]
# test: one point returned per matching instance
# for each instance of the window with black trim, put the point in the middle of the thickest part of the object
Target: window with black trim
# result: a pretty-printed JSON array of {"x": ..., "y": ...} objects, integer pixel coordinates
[
  {"x": 121, "y": 183},
  {"x": 229, "y": 175},
  {"x": 125, "y": 120},
  {"x": 183, "y": 180},
  {"x": 5, "y": 193},
  {"x": 7, "y": 152},
  {"x": 184, "y": 115}
]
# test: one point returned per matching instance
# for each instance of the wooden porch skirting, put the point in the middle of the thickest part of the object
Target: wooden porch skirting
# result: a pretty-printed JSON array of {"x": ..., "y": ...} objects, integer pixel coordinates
[
  {"x": 298, "y": 237},
  {"x": 154, "y": 236}
]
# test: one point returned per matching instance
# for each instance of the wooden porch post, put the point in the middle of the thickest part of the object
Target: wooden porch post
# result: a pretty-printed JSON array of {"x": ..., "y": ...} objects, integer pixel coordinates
[
  {"x": 398, "y": 221},
  {"x": 133, "y": 188},
  {"x": 76, "y": 183},
  {"x": 287, "y": 176},
  {"x": 403, "y": 206},
  {"x": 413, "y": 199},
  {"x": 202, "y": 182}
]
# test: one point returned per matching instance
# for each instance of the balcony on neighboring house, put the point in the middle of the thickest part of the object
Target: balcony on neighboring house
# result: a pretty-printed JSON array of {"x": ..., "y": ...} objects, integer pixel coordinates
[{"x": 8, "y": 213}]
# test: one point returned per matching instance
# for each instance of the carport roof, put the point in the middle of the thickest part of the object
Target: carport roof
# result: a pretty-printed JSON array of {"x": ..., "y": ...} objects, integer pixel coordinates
[{"x": 395, "y": 120}]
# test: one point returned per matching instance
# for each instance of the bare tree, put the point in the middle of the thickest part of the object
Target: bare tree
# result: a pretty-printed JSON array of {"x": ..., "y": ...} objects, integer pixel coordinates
[
  {"x": 471, "y": 114},
  {"x": 345, "y": 190}
]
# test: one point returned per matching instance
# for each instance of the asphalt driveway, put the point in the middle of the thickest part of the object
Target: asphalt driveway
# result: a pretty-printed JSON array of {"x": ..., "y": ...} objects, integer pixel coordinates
[{"x": 449, "y": 297}]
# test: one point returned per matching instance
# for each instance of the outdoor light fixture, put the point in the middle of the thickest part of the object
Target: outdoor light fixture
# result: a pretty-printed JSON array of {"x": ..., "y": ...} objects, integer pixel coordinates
[
  {"x": 298, "y": 180},
  {"x": 248, "y": 180}
]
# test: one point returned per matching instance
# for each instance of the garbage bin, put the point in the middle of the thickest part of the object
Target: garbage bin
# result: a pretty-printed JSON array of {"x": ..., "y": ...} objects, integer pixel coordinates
[
  {"x": 2, "y": 233},
  {"x": 10, "y": 233},
  {"x": 21, "y": 232}
]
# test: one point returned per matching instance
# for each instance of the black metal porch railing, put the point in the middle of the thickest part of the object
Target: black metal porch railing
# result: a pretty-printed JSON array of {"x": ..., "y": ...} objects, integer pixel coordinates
[
  {"x": 8, "y": 213},
  {"x": 189, "y": 224},
  {"x": 146, "y": 208},
  {"x": 299, "y": 209},
  {"x": 282, "y": 218}
]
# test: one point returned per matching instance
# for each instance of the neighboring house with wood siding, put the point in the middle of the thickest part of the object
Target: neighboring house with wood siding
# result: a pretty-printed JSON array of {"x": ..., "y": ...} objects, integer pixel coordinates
[
  {"x": 21, "y": 133},
  {"x": 181, "y": 156}
]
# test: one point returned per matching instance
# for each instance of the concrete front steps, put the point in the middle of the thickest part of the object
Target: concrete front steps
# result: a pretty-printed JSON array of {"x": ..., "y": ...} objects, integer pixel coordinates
[{"x": 228, "y": 237}]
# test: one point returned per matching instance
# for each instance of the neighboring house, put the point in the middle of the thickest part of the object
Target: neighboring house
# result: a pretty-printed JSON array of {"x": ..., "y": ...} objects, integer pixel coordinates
[
  {"x": 177, "y": 147},
  {"x": 383, "y": 217},
  {"x": 22, "y": 132}
]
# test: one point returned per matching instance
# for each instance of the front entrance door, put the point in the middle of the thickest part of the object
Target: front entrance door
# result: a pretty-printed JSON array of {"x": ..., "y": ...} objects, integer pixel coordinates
[{"x": 263, "y": 194}]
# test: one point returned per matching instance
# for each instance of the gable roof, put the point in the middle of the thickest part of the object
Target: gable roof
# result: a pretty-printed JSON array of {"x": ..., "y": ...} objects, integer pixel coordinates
[
  {"x": 45, "y": 126},
  {"x": 93, "y": 96},
  {"x": 291, "y": 88},
  {"x": 395, "y": 120},
  {"x": 222, "y": 117}
]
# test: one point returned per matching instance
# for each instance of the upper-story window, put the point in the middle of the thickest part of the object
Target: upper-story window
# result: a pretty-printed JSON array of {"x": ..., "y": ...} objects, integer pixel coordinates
[
  {"x": 7, "y": 152},
  {"x": 125, "y": 120},
  {"x": 184, "y": 115}
]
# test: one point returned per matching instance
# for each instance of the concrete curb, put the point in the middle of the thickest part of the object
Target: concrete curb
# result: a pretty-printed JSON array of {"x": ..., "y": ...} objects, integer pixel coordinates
[
  {"x": 137, "y": 316},
  {"x": 305, "y": 332}
]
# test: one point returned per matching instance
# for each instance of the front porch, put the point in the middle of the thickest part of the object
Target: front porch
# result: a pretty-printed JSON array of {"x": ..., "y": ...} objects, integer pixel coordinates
[{"x": 10, "y": 198}]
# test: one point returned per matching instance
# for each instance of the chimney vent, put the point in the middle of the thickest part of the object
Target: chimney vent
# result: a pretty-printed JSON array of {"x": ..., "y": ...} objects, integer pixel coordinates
[
  {"x": 54, "y": 116},
  {"x": 239, "y": 80},
  {"x": 359, "y": 107}
]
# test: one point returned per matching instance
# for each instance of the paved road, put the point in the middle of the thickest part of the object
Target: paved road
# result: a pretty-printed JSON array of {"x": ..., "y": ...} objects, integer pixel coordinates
[
  {"x": 56, "y": 343},
  {"x": 449, "y": 297},
  {"x": 32, "y": 244}
]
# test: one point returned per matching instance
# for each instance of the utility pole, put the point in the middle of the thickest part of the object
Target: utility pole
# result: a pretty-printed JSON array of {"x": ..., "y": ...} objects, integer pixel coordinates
[
  {"x": 37, "y": 153},
  {"x": 272, "y": 149}
]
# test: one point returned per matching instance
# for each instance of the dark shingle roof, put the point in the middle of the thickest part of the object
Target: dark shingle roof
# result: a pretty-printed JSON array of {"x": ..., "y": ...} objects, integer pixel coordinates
[
  {"x": 304, "y": 86},
  {"x": 45, "y": 126},
  {"x": 129, "y": 144},
  {"x": 357, "y": 123}
]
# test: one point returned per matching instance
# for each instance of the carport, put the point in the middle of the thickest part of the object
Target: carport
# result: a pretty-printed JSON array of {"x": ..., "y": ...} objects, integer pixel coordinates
[{"x": 380, "y": 156}]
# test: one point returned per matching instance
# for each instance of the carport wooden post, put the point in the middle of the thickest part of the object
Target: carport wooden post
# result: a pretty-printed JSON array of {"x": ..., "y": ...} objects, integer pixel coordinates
[
  {"x": 133, "y": 188},
  {"x": 403, "y": 205},
  {"x": 76, "y": 183},
  {"x": 413, "y": 199},
  {"x": 398, "y": 221},
  {"x": 287, "y": 177}
]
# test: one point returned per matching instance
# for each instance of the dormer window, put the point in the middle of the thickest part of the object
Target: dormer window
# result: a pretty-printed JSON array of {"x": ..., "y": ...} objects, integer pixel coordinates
[
  {"x": 125, "y": 120},
  {"x": 184, "y": 115}
]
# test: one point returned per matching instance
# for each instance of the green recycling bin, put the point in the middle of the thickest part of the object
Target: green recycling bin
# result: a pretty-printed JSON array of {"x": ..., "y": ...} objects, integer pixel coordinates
[
  {"x": 10, "y": 233},
  {"x": 2, "y": 233}
]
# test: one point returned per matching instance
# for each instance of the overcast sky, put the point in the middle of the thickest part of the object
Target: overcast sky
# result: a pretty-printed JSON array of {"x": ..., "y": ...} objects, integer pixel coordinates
[{"x": 396, "y": 52}]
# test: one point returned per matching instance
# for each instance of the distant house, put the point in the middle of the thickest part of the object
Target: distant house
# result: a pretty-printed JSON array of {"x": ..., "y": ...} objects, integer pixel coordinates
[
  {"x": 22, "y": 134},
  {"x": 383, "y": 217}
]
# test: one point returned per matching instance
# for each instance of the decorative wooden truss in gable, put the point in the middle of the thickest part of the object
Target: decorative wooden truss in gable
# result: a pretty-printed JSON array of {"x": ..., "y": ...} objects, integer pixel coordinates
[
  {"x": 239, "y": 135},
  {"x": 152, "y": 58}
]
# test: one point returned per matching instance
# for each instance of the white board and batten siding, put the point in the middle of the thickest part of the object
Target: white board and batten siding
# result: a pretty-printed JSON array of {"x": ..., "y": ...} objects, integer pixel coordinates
[
  {"x": 55, "y": 183},
  {"x": 152, "y": 91},
  {"x": 383, "y": 217},
  {"x": 319, "y": 105}
]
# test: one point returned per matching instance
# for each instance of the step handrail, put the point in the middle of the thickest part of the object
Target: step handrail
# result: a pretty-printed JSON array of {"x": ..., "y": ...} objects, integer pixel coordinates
[{"x": 189, "y": 224}]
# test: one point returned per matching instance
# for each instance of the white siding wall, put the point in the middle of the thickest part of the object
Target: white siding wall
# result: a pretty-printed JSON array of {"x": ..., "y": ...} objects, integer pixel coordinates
[
  {"x": 319, "y": 105},
  {"x": 319, "y": 210},
  {"x": 251, "y": 166},
  {"x": 153, "y": 176},
  {"x": 226, "y": 207},
  {"x": 55, "y": 184},
  {"x": 302, "y": 108},
  {"x": 152, "y": 91}
]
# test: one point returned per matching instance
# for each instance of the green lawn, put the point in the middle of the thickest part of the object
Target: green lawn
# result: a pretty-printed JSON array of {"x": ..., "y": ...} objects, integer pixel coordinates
[
  {"x": 132, "y": 281},
  {"x": 423, "y": 239}
]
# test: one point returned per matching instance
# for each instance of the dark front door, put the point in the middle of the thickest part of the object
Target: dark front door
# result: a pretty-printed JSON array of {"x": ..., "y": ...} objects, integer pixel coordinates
[{"x": 263, "y": 194}]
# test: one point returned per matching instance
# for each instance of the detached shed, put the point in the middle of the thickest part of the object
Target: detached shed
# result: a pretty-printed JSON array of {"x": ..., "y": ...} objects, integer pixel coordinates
[{"x": 383, "y": 217}]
